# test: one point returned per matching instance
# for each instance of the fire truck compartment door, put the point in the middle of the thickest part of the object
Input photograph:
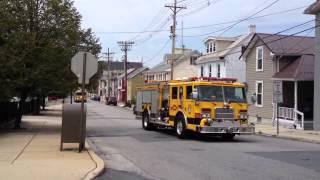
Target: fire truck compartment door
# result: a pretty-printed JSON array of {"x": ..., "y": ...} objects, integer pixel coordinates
[
  {"x": 139, "y": 101},
  {"x": 146, "y": 97},
  {"x": 155, "y": 101}
]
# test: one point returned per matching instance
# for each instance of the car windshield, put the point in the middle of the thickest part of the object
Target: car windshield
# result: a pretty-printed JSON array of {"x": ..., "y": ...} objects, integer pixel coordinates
[
  {"x": 221, "y": 94},
  {"x": 234, "y": 94},
  {"x": 210, "y": 93},
  {"x": 79, "y": 93}
]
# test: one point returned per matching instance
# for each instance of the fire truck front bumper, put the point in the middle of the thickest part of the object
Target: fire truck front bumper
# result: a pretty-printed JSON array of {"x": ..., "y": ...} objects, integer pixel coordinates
[{"x": 226, "y": 130}]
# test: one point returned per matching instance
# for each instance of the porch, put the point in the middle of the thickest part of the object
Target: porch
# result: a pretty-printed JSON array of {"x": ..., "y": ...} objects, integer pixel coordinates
[{"x": 296, "y": 109}]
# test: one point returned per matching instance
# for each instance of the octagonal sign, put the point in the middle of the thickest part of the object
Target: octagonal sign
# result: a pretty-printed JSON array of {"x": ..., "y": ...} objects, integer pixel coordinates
[{"x": 77, "y": 65}]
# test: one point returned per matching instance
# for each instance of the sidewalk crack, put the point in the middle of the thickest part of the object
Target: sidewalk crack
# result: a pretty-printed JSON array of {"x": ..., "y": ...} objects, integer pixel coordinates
[{"x": 25, "y": 147}]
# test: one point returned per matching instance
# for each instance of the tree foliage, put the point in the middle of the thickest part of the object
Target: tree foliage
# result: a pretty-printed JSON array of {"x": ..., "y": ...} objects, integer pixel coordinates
[{"x": 37, "y": 41}]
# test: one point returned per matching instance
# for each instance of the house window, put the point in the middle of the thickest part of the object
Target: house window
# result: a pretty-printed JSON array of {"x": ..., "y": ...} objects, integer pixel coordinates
[
  {"x": 211, "y": 44},
  {"x": 218, "y": 70},
  {"x": 201, "y": 71},
  {"x": 259, "y": 93},
  {"x": 214, "y": 47},
  {"x": 207, "y": 47},
  {"x": 210, "y": 70},
  {"x": 259, "y": 59}
]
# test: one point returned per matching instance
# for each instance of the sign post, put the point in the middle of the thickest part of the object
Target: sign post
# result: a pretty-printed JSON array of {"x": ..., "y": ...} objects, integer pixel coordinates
[
  {"x": 84, "y": 65},
  {"x": 277, "y": 98}
]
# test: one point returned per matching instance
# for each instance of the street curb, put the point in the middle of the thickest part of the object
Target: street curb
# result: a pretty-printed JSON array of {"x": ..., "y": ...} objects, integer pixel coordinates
[
  {"x": 287, "y": 138},
  {"x": 100, "y": 166}
]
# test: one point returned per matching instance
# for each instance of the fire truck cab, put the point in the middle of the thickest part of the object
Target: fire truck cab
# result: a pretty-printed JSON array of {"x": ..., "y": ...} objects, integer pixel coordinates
[{"x": 203, "y": 105}]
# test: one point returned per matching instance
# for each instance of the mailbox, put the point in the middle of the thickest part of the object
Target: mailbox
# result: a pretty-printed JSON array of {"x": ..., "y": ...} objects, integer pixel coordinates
[{"x": 73, "y": 128}]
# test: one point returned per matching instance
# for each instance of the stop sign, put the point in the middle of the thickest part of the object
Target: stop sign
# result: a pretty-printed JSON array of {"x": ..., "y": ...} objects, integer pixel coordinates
[{"x": 77, "y": 65}]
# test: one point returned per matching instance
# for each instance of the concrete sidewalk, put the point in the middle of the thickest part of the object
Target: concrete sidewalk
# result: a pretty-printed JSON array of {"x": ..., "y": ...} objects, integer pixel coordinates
[
  {"x": 293, "y": 134},
  {"x": 33, "y": 152}
]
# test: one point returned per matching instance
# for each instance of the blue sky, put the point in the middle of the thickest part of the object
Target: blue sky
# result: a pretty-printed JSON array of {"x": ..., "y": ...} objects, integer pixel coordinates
[{"x": 109, "y": 17}]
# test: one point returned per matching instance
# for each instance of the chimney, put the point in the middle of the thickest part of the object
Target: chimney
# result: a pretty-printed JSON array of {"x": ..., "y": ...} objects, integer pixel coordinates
[{"x": 252, "y": 28}]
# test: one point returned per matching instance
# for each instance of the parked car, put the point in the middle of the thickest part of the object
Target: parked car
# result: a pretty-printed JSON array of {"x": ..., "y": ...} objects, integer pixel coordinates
[
  {"x": 96, "y": 97},
  {"x": 112, "y": 100}
]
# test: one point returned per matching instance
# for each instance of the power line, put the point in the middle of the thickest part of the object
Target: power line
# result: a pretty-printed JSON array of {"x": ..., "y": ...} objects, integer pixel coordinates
[
  {"x": 233, "y": 21},
  {"x": 237, "y": 22},
  {"x": 202, "y": 26},
  {"x": 208, "y": 4},
  {"x": 283, "y": 37},
  {"x": 141, "y": 41},
  {"x": 277, "y": 33},
  {"x": 151, "y": 24},
  {"x": 268, "y": 6},
  {"x": 158, "y": 52}
]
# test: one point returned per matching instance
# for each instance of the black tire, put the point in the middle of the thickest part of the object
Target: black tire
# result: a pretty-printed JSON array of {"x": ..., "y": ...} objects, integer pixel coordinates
[
  {"x": 180, "y": 128},
  {"x": 146, "y": 122},
  {"x": 228, "y": 137}
]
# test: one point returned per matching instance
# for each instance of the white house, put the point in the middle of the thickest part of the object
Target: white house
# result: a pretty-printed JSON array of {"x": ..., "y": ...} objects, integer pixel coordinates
[{"x": 221, "y": 56}]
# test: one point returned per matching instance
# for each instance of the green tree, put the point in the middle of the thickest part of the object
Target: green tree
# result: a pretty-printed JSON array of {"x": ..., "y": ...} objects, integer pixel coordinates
[{"x": 37, "y": 41}]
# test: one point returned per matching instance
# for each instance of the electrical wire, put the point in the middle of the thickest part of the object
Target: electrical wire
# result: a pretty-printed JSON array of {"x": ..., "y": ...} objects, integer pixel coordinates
[
  {"x": 263, "y": 9},
  {"x": 203, "y": 26},
  {"x": 157, "y": 53},
  {"x": 200, "y": 8},
  {"x": 283, "y": 37},
  {"x": 277, "y": 33},
  {"x": 237, "y": 22}
]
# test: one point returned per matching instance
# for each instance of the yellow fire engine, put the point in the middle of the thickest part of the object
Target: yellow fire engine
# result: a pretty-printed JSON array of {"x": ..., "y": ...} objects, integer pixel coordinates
[{"x": 204, "y": 105}]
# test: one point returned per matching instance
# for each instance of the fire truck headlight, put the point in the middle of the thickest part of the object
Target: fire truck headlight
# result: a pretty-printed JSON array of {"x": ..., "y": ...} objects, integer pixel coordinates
[
  {"x": 243, "y": 116},
  {"x": 205, "y": 115},
  {"x": 209, "y": 121}
]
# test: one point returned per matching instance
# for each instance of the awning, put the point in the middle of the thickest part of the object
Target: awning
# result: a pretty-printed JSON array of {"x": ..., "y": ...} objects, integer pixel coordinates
[{"x": 301, "y": 69}]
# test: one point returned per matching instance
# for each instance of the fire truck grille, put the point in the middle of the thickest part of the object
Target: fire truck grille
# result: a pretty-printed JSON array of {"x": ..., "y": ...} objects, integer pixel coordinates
[{"x": 224, "y": 114}]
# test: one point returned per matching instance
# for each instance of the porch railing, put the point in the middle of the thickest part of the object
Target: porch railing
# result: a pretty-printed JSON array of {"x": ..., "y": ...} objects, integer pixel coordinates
[{"x": 287, "y": 115}]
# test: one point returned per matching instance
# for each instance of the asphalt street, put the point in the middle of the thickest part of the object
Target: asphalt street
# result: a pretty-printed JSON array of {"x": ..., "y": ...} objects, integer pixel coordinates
[{"x": 133, "y": 153}]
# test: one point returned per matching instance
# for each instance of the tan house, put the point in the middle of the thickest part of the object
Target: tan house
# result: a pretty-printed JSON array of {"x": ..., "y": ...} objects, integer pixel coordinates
[
  {"x": 135, "y": 79},
  {"x": 116, "y": 69},
  {"x": 288, "y": 60},
  {"x": 183, "y": 67}
]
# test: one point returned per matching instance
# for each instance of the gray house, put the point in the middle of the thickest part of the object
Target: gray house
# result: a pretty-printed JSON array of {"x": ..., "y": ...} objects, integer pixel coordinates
[
  {"x": 288, "y": 60},
  {"x": 315, "y": 10}
]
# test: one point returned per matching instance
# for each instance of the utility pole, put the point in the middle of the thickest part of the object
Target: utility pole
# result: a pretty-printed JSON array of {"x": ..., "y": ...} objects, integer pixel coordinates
[
  {"x": 109, "y": 54},
  {"x": 182, "y": 42},
  {"x": 175, "y": 9},
  {"x": 125, "y": 47}
]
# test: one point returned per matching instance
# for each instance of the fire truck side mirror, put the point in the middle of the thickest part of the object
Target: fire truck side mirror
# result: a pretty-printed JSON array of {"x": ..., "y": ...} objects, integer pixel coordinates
[{"x": 194, "y": 95}]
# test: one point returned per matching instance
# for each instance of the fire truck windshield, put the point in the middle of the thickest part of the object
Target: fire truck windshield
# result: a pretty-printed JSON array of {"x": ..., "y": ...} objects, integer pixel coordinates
[
  {"x": 221, "y": 94},
  {"x": 234, "y": 94},
  {"x": 210, "y": 93}
]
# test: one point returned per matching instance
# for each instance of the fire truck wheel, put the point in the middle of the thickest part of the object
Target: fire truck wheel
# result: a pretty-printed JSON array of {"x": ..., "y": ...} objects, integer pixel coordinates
[
  {"x": 180, "y": 128},
  {"x": 228, "y": 137},
  {"x": 145, "y": 122}
]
